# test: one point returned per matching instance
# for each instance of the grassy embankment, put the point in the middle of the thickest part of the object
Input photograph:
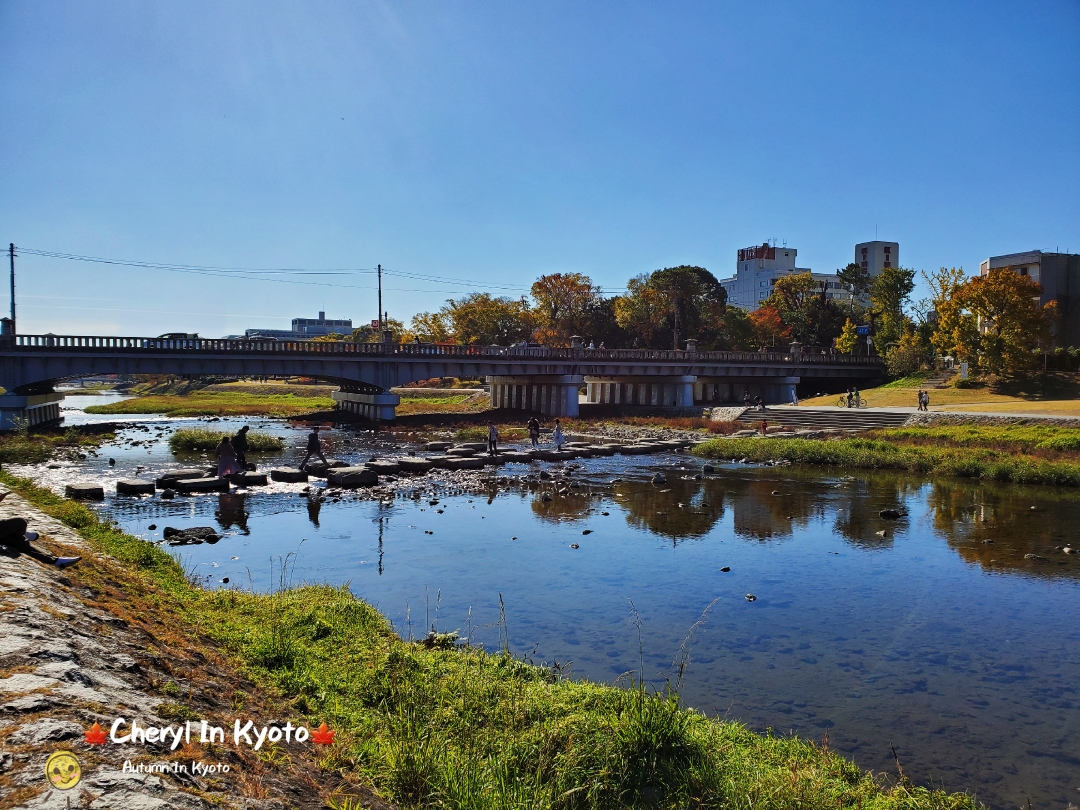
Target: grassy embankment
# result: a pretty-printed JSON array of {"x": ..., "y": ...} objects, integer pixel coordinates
[
  {"x": 218, "y": 403},
  {"x": 34, "y": 447},
  {"x": 193, "y": 439},
  {"x": 1054, "y": 393},
  {"x": 438, "y": 725},
  {"x": 1022, "y": 454}
]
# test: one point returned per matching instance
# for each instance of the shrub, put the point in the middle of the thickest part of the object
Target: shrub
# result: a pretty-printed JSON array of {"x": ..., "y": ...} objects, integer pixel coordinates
[{"x": 203, "y": 439}]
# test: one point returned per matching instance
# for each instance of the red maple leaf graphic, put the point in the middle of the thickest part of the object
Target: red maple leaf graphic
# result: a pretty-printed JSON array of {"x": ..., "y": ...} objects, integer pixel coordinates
[
  {"x": 95, "y": 735},
  {"x": 322, "y": 735}
]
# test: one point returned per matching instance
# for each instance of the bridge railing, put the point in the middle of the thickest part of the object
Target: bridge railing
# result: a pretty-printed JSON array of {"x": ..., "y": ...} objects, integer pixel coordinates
[{"x": 97, "y": 343}]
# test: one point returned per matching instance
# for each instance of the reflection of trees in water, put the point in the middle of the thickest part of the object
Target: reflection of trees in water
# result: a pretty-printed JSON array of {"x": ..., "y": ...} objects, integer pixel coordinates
[
  {"x": 858, "y": 506},
  {"x": 232, "y": 511},
  {"x": 571, "y": 504},
  {"x": 968, "y": 513},
  {"x": 678, "y": 509}
]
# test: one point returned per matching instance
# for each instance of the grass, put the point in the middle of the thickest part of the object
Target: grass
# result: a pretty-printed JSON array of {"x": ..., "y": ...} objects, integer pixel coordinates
[
  {"x": 1012, "y": 454},
  {"x": 439, "y": 725},
  {"x": 34, "y": 447},
  {"x": 215, "y": 403},
  {"x": 203, "y": 439}
]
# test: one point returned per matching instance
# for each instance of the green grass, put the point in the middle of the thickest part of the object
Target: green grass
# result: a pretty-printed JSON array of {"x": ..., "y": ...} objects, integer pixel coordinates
[
  {"x": 213, "y": 403},
  {"x": 881, "y": 453},
  {"x": 435, "y": 399},
  {"x": 916, "y": 380},
  {"x": 203, "y": 439},
  {"x": 34, "y": 447},
  {"x": 444, "y": 726}
]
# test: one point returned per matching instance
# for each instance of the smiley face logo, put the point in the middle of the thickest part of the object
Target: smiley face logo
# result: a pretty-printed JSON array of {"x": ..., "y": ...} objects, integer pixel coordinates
[{"x": 62, "y": 769}]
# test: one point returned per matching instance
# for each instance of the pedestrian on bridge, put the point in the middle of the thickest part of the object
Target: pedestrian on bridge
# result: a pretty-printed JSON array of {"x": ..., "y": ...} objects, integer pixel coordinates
[{"x": 314, "y": 448}]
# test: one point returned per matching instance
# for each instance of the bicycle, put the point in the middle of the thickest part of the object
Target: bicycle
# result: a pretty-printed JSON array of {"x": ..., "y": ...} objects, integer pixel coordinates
[{"x": 858, "y": 402}]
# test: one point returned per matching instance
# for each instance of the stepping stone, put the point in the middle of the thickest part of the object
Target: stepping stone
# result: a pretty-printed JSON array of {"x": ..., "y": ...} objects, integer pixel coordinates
[
  {"x": 135, "y": 486},
  {"x": 288, "y": 475},
  {"x": 478, "y": 447},
  {"x": 493, "y": 460},
  {"x": 383, "y": 467},
  {"x": 461, "y": 452},
  {"x": 320, "y": 470},
  {"x": 411, "y": 464},
  {"x": 438, "y": 446},
  {"x": 601, "y": 450},
  {"x": 249, "y": 479},
  {"x": 84, "y": 492},
  {"x": 189, "y": 485},
  {"x": 167, "y": 479},
  {"x": 516, "y": 457},
  {"x": 352, "y": 477},
  {"x": 439, "y": 462}
]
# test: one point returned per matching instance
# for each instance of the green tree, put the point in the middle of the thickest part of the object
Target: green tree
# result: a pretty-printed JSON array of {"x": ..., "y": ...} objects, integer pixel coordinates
[
  {"x": 430, "y": 327},
  {"x": 812, "y": 317},
  {"x": 856, "y": 281},
  {"x": 909, "y": 353},
  {"x": 667, "y": 306},
  {"x": 889, "y": 293},
  {"x": 848, "y": 339},
  {"x": 480, "y": 318},
  {"x": 1013, "y": 328},
  {"x": 370, "y": 334}
]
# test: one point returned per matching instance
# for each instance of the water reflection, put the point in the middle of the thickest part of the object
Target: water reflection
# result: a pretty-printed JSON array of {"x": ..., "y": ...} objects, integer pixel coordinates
[
  {"x": 231, "y": 512},
  {"x": 314, "y": 506}
]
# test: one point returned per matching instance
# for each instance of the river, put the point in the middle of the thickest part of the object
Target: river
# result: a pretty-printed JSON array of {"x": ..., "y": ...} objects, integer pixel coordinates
[{"x": 939, "y": 640}]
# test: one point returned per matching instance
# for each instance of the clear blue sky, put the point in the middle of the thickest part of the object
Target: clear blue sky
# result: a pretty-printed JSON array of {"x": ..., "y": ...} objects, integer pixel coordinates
[{"x": 496, "y": 141}]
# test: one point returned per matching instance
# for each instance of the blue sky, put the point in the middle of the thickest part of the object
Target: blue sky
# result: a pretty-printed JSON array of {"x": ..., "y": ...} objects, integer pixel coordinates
[{"x": 493, "y": 142}]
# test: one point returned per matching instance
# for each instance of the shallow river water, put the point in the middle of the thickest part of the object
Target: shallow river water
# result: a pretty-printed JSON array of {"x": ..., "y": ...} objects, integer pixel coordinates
[{"x": 960, "y": 653}]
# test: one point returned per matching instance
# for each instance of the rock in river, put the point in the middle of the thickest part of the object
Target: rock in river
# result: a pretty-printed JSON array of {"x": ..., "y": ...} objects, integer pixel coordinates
[
  {"x": 86, "y": 492},
  {"x": 891, "y": 514},
  {"x": 192, "y": 536}
]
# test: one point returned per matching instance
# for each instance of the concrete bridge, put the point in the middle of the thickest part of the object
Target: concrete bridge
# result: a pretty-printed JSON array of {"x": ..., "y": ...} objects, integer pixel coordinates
[{"x": 534, "y": 378}]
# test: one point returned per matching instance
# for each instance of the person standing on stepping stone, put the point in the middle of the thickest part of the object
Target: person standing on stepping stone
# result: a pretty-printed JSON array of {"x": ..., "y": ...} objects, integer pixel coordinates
[
  {"x": 240, "y": 445},
  {"x": 226, "y": 458},
  {"x": 534, "y": 431},
  {"x": 493, "y": 439},
  {"x": 314, "y": 448}
]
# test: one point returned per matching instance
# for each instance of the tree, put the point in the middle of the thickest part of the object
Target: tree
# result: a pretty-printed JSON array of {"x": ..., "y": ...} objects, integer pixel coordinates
[
  {"x": 855, "y": 280},
  {"x": 430, "y": 327},
  {"x": 769, "y": 328},
  {"x": 889, "y": 293},
  {"x": 849, "y": 338},
  {"x": 1013, "y": 328},
  {"x": 370, "y": 334},
  {"x": 666, "y": 306},
  {"x": 804, "y": 306},
  {"x": 564, "y": 306},
  {"x": 479, "y": 318},
  {"x": 908, "y": 355},
  {"x": 954, "y": 332}
]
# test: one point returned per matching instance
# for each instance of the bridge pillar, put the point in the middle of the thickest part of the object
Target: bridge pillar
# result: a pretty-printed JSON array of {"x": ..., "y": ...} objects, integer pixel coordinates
[
  {"x": 549, "y": 394},
  {"x": 378, "y": 407},
  {"x": 36, "y": 409},
  {"x": 652, "y": 391}
]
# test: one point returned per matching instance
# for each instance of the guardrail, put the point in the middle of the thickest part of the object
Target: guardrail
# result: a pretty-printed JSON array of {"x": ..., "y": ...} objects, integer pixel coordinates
[{"x": 91, "y": 344}]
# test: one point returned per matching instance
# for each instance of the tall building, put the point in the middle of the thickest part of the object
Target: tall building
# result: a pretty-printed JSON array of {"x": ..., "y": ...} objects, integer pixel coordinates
[
  {"x": 305, "y": 329},
  {"x": 1059, "y": 275},
  {"x": 759, "y": 267},
  {"x": 873, "y": 257}
]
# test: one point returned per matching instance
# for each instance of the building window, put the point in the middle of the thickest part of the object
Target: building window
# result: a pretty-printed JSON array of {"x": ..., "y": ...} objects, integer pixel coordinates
[
  {"x": 888, "y": 263},
  {"x": 1023, "y": 271},
  {"x": 864, "y": 264},
  {"x": 864, "y": 251},
  {"x": 888, "y": 250}
]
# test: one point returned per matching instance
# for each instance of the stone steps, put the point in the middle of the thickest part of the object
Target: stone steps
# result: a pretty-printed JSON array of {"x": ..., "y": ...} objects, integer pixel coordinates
[{"x": 853, "y": 419}]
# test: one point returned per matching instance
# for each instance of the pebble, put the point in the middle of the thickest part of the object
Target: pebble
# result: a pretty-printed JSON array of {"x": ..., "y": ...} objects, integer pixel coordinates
[
  {"x": 891, "y": 514},
  {"x": 726, "y": 568},
  {"x": 776, "y": 492},
  {"x": 1069, "y": 550},
  {"x": 605, "y": 514},
  {"x": 224, "y": 580},
  {"x": 881, "y": 533},
  {"x": 152, "y": 526},
  {"x": 587, "y": 531},
  {"x": 751, "y": 598},
  {"x": 659, "y": 479},
  {"x": 574, "y": 545},
  {"x": 987, "y": 541}
]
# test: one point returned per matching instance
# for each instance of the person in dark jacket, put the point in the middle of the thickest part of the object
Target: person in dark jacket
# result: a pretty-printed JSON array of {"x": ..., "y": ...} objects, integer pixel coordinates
[
  {"x": 240, "y": 446},
  {"x": 16, "y": 540},
  {"x": 314, "y": 448}
]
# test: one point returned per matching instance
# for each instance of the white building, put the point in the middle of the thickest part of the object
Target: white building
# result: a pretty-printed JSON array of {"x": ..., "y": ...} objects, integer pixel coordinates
[
  {"x": 873, "y": 257},
  {"x": 758, "y": 269}
]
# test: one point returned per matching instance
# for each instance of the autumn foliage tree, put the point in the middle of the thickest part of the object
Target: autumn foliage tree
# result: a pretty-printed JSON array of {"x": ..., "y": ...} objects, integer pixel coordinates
[
  {"x": 1012, "y": 327},
  {"x": 665, "y": 307},
  {"x": 768, "y": 326},
  {"x": 565, "y": 304}
]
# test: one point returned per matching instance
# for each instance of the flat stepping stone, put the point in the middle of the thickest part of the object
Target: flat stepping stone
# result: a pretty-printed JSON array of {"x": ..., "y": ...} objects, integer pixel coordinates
[
  {"x": 85, "y": 492},
  {"x": 601, "y": 450},
  {"x": 461, "y": 452},
  {"x": 135, "y": 486},
  {"x": 320, "y": 470},
  {"x": 415, "y": 464},
  {"x": 383, "y": 467},
  {"x": 439, "y": 462},
  {"x": 188, "y": 485},
  {"x": 352, "y": 477},
  {"x": 249, "y": 479},
  {"x": 464, "y": 463},
  {"x": 167, "y": 479},
  {"x": 437, "y": 447},
  {"x": 516, "y": 458},
  {"x": 288, "y": 475},
  {"x": 475, "y": 446},
  {"x": 494, "y": 460}
]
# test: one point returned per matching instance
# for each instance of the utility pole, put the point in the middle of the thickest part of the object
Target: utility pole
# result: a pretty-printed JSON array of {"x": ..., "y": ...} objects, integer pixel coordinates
[
  {"x": 11, "y": 255},
  {"x": 380, "y": 301}
]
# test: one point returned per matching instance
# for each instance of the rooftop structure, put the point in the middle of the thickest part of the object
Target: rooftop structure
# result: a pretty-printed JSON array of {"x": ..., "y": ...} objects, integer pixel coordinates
[
  {"x": 305, "y": 329},
  {"x": 760, "y": 266}
]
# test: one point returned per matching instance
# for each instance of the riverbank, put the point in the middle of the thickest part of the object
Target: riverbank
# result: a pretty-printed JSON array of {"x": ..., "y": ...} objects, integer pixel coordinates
[
  {"x": 1021, "y": 454},
  {"x": 435, "y": 723},
  {"x": 217, "y": 403}
]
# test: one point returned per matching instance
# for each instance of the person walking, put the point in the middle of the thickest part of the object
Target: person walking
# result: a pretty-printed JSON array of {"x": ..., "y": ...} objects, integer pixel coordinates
[
  {"x": 557, "y": 436},
  {"x": 493, "y": 439},
  {"x": 794, "y": 396},
  {"x": 534, "y": 432},
  {"x": 314, "y": 448},
  {"x": 746, "y": 398},
  {"x": 764, "y": 427},
  {"x": 858, "y": 399},
  {"x": 226, "y": 458},
  {"x": 240, "y": 446}
]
